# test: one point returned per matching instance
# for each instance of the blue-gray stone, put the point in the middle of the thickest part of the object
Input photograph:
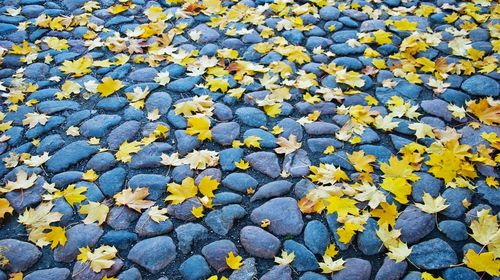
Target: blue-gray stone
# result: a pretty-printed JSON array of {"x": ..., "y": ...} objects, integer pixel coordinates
[
  {"x": 195, "y": 268},
  {"x": 354, "y": 269},
  {"x": 153, "y": 254},
  {"x": 368, "y": 241},
  {"x": 124, "y": 132},
  {"x": 391, "y": 269},
  {"x": 111, "y": 182},
  {"x": 112, "y": 104},
  {"x": 99, "y": 125},
  {"x": 454, "y": 230},
  {"x": 283, "y": 213},
  {"x": 239, "y": 182},
  {"x": 228, "y": 157},
  {"x": 159, "y": 100},
  {"x": 188, "y": 234},
  {"x": 50, "y": 143},
  {"x": 184, "y": 84},
  {"x": 121, "y": 239},
  {"x": 414, "y": 224},
  {"x": 426, "y": 184},
  {"x": 316, "y": 237},
  {"x": 251, "y": 116},
  {"x": 146, "y": 227},
  {"x": 481, "y": 85},
  {"x": 433, "y": 254},
  {"x": 69, "y": 155},
  {"x": 221, "y": 221},
  {"x": 460, "y": 273},
  {"x": 454, "y": 199},
  {"x": 51, "y": 107},
  {"x": 304, "y": 259}
]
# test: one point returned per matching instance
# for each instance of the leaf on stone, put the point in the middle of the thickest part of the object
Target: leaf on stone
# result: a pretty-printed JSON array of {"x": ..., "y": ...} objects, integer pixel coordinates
[
  {"x": 287, "y": 146},
  {"x": 483, "y": 262},
  {"x": 486, "y": 110},
  {"x": 361, "y": 162},
  {"x": 95, "y": 211},
  {"x": 179, "y": 193},
  {"x": 74, "y": 195},
  {"x": 57, "y": 236},
  {"x": 108, "y": 86},
  {"x": 5, "y": 208},
  {"x": 36, "y": 161},
  {"x": 207, "y": 186},
  {"x": 285, "y": 258},
  {"x": 197, "y": 211},
  {"x": 77, "y": 67},
  {"x": 400, "y": 252},
  {"x": 133, "y": 199},
  {"x": 100, "y": 259},
  {"x": 252, "y": 141},
  {"x": 199, "y": 126},
  {"x": 342, "y": 206},
  {"x": 158, "y": 215},
  {"x": 387, "y": 214},
  {"x": 23, "y": 182},
  {"x": 432, "y": 205},
  {"x": 329, "y": 265},
  {"x": 126, "y": 149},
  {"x": 234, "y": 262},
  {"x": 32, "y": 119}
]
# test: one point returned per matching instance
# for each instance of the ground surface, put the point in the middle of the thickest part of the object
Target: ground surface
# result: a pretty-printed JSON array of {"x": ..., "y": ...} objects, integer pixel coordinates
[{"x": 203, "y": 139}]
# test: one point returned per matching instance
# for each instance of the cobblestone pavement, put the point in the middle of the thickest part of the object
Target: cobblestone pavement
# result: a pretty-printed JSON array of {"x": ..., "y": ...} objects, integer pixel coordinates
[{"x": 252, "y": 139}]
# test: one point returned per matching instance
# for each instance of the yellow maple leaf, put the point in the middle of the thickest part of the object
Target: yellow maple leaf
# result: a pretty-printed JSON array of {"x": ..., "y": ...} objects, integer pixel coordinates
[
  {"x": 207, "y": 185},
  {"x": 329, "y": 265},
  {"x": 428, "y": 276},
  {"x": 243, "y": 165},
  {"x": 74, "y": 195},
  {"x": 483, "y": 262},
  {"x": 90, "y": 175},
  {"x": 486, "y": 110},
  {"x": 361, "y": 162},
  {"x": 199, "y": 126},
  {"x": 399, "y": 187},
  {"x": 405, "y": 25},
  {"x": 56, "y": 43},
  {"x": 125, "y": 149},
  {"x": 77, "y": 67},
  {"x": 382, "y": 37},
  {"x": 179, "y": 193},
  {"x": 217, "y": 84},
  {"x": 285, "y": 258},
  {"x": 432, "y": 205},
  {"x": 134, "y": 199},
  {"x": 387, "y": 215},
  {"x": 22, "y": 182},
  {"x": 157, "y": 215},
  {"x": 234, "y": 262},
  {"x": 252, "y": 141},
  {"x": 350, "y": 78},
  {"x": 287, "y": 146},
  {"x": 56, "y": 235},
  {"x": 422, "y": 130},
  {"x": 341, "y": 206},
  {"x": 197, "y": 211},
  {"x": 399, "y": 252},
  {"x": 5, "y": 207},
  {"x": 108, "y": 86},
  {"x": 101, "y": 258},
  {"x": 347, "y": 232},
  {"x": 95, "y": 211}
]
